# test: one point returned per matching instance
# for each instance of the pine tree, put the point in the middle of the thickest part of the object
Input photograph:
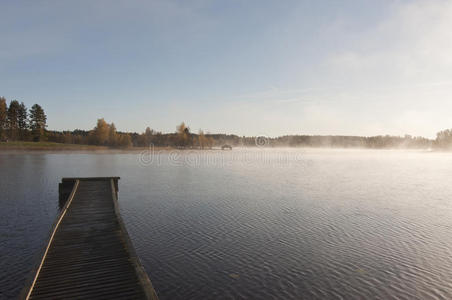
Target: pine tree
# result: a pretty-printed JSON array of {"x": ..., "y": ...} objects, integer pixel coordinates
[
  {"x": 38, "y": 122},
  {"x": 13, "y": 119},
  {"x": 3, "y": 118},
  {"x": 22, "y": 121}
]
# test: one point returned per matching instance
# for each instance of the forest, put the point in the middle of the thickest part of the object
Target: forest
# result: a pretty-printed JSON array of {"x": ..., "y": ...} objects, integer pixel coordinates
[{"x": 17, "y": 123}]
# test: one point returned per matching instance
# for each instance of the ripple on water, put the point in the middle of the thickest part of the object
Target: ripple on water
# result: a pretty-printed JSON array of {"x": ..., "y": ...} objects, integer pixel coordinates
[{"x": 339, "y": 225}]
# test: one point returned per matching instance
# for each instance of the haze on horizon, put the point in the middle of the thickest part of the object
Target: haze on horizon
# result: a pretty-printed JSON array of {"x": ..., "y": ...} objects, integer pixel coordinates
[{"x": 242, "y": 67}]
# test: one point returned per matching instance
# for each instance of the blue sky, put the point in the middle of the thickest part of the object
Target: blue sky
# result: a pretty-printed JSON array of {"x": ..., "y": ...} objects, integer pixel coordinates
[{"x": 244, "y": 67}]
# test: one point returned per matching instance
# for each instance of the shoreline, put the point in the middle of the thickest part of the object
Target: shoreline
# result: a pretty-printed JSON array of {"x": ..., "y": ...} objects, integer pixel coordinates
[
  {"x": 7, "y": 147},
  {"x": 59, "y": 147}
]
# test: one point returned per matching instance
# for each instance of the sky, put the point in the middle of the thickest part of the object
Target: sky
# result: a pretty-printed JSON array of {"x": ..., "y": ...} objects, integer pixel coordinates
[{"x": 242, "y": 67}]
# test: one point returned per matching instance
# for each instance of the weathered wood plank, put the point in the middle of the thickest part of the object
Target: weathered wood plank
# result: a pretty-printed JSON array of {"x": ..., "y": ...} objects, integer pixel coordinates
[{"x": 89, "y": 254}]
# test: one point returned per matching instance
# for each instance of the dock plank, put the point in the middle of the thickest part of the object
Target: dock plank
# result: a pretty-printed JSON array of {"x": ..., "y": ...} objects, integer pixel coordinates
[{"x": 90, "y": 255}]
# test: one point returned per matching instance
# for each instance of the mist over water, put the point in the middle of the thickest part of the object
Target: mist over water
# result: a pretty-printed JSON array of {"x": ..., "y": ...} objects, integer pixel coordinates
[{"x": 254, "y": 224}]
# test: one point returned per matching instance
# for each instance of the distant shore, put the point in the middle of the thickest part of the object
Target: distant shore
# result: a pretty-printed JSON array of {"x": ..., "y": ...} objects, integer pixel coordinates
[
  {"x": 61, "y": 147},
  {"x": 47, "y": 146},
  {"x": 51, "y": 146}
]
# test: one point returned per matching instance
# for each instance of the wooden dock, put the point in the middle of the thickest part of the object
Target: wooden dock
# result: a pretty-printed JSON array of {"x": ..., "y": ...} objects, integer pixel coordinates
[{"x": 89, "y": 254}]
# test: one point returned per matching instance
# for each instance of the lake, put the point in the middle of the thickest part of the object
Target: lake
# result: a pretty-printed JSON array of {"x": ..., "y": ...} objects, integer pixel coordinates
[{"x": 254, "y": 224}]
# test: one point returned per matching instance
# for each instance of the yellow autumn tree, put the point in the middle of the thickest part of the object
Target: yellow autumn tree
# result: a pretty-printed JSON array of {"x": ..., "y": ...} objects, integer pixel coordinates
[
  {"x": 202, "y": 140},
  {"x": 101, "y": 132},
  {"x": 183, "y": 135}
]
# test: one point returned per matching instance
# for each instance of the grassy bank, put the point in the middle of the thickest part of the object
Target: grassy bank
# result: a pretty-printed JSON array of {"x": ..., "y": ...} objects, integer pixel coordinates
[
  {"x": 50, "y": 146},
  {"x": 47, "y": 146}
]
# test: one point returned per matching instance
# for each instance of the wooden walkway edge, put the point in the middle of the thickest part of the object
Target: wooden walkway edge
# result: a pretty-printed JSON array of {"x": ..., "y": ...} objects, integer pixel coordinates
[{"x": 89, "y": 254}]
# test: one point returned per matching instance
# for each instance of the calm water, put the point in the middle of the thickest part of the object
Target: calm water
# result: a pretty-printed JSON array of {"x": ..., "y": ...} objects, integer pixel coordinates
[{"x": 255, "y": 224}]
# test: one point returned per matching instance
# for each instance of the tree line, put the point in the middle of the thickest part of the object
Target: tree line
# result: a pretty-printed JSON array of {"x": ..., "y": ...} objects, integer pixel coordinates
[
  {"x": 443, "y": 139},
  {"x": 105, "y": 134},
  {"x": 322, "y": 141},
  {"x": 19, "y": 123}
]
